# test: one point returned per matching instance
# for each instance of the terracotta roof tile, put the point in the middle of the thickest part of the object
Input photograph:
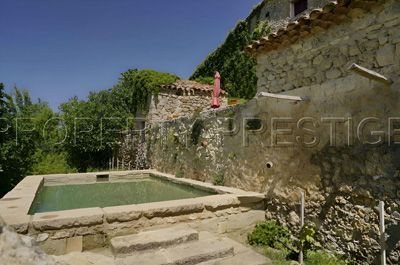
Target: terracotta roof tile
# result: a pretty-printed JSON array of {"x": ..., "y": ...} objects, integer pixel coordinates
[
  {"x": 187, "y": 85},
  {"x": 335, "y": 12}
]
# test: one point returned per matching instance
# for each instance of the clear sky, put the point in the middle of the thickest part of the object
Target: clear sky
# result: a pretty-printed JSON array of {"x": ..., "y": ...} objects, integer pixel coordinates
[{"x": 58, "y": 49}]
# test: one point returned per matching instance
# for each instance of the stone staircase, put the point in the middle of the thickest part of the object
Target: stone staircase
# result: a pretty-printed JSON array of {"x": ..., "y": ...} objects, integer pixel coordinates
[{"x": 182, "y": 246}]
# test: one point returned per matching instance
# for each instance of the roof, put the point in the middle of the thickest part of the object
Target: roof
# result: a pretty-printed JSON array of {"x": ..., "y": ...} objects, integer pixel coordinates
[
  {"x": 319, "y": 19},
  {"x": 189, "y": 85}
]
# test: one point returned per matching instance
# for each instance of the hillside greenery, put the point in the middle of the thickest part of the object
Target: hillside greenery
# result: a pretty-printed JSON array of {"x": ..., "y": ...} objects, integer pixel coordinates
[{"x": 238, "y": 70}]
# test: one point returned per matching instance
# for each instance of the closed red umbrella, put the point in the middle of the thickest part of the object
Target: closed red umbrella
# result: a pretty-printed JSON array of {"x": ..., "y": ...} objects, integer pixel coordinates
[{"x": 216, "y": 92}]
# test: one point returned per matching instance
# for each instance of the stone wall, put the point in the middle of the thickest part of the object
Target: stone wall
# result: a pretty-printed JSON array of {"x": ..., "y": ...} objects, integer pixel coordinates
[
  {"x": 169, "y": 105},
  {"x": 343, "y": 175},
  {"x": 372, "y": 41},
  {"x": 277, "y": 12}
]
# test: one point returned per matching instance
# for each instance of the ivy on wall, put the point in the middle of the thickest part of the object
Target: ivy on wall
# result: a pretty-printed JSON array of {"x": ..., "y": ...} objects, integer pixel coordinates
[
  {"x": 237, "y": 68},
  {"x": 136, "y": 87}
]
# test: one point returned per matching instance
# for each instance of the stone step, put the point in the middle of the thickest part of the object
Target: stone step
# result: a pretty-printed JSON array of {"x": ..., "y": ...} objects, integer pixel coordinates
[
  {"x": 248, "y": 258},
  {"x": 185, "y": 254},
  {"x": 150, "y": 240}
]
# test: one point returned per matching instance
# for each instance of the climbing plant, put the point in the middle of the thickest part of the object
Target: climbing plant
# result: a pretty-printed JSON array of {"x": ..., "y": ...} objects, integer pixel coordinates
[
  {"x": 237, "y": 68},
  {"x": 136, "y": 87}
]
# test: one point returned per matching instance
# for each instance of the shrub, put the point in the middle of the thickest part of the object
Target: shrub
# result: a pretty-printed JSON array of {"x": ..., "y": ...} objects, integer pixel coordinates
[
  {"x": 307, "y": 237},
  {"x": 219, "y": 180},
  {"x": 322, "y": 257},
  {"x": 179, "y": 173},
  {"x": 269, "y": 233}
]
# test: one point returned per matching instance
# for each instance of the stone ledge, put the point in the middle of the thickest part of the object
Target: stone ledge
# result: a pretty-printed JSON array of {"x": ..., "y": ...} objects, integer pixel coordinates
[
  {"x": 172, "y": 208},
  {"x": 220, "y": 202},
  {"x": 15, "y": 205},
  {"x": 122, "y": 213},
  {"x": 67, "y": 219},
  {"x": 20, "y": 222},
  {"x": 250, "y": 197}
]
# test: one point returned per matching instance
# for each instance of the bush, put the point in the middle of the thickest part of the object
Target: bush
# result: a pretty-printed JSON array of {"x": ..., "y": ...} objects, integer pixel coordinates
[
  {"x": 322, "y": 257},
  {"x": 179, "y": 173},
  {"x": 219, "y": 180},
  {"x": 269, "y": 233},
  {"x": 52, "y": 163}
]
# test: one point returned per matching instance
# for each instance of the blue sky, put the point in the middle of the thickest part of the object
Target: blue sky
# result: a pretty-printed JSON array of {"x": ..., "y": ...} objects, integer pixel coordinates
[{"x": 58, "y": 49}]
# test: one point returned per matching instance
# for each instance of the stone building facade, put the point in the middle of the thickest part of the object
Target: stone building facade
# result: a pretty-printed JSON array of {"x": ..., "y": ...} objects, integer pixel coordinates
[
  {"x": 280, "y": 12},
  {"x": 180, "y": 99},
  {"x": 341, "y": 146}
]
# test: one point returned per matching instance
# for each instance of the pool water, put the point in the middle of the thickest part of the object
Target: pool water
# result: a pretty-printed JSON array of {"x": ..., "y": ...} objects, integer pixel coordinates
[{"x": 104, "y": 194}]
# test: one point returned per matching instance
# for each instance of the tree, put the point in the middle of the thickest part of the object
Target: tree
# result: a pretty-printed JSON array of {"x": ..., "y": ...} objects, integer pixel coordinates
[
  {"x": 16, "y": 147},
  {"x": 94, "y": 126}
]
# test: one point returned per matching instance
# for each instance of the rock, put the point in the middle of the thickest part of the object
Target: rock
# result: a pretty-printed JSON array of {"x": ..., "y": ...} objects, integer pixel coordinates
[
  {"x": 333, "y": 73},
  {"x": 294, "y": 219},
  {"x": 42, "y": 237},
  {"x": 386, "y": 55},
  {"x": 396, "y": 215},
  {"x": 19, "y": 250}
]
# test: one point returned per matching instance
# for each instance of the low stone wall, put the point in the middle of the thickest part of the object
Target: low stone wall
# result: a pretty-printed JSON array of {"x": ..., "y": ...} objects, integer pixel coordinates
[{"x": 169, "y": 106}]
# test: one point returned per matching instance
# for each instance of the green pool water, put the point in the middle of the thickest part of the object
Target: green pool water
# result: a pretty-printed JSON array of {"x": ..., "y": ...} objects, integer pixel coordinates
[{"x": 103, "y": 194}]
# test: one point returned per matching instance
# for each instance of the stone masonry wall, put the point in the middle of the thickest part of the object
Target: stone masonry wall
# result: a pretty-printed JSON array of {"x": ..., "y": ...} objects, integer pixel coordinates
[
  {"x": 372, "y": 42},
  {"x": 343, "y": 175},
  {"x": 168, "y": 105},
  {"x": 277, "y": 12}
]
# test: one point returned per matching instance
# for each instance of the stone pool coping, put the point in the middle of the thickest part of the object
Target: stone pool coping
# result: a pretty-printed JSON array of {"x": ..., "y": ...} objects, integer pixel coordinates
[{"x": 14, "y": 206}]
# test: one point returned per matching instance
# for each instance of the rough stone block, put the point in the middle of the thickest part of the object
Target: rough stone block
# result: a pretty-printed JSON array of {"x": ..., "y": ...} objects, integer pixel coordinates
[
  {"x": 74, "y": 244},
  {"x": 385, "y": 55},
  {"x": 220, "y": 202},
  {"x": 354, "y": 50},
  {"x": 15, "y": 205},
  {"x": 152, "y": 240},
  {"x": 67, "y": 219},
  {"x": 19, "y": 222},
  {"x": 93, "y": 241},
  {"x": 333, "y": 73},
  {"x": 54, "y": 247},
  {"x": 191, "y": 253},
  {"x": 123, "y": 213},
  {"x": 172, "y": 208}
]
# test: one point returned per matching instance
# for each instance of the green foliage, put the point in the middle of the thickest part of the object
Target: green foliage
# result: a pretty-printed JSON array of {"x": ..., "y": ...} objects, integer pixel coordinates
[
  {"x": 278, "y": 257},
  {"x": 94, "y": 128},
  {"x": 179, "y": 173},
  {"x": 307, "y": 237},
  {"x": 82, "y": 137},
  {"x": 323, "y": 257},
  {"x": 237, "y": 69},
  {"x": 232, "y": 156},
  {"x": 136, "y": 87},
  {"x": 208, "y": 80},
  {"x": 277, "y": 244},
  {"x": 51, "y": 163},
  {"x": 20, "y": 119},
  {"x": 269, "y": 233},
  {"x": 95, "y": 125},
  {"x": 219, "y": 179}
]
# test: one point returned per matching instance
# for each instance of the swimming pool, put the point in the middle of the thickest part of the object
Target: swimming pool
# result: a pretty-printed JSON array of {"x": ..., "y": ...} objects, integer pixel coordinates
[
  {"x": 132, "y": 190},
  {"x": 87, "y": 209}
]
